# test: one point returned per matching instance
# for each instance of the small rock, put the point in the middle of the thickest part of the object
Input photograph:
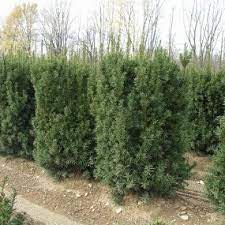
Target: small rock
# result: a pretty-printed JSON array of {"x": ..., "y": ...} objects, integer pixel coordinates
[
  {"x": 139, "y": 203},
  {"x": 86, "y": 194},
  {"x": 201, "y": 182},
  {"x": 90, "y": 185},
  {"x": 78, "y": 195},
  {"x": 107, "y": 204},
  {"x": 119, "y": 210},
  {"x": 183, "y": 208},
  {"x": 184, "y": 217}
]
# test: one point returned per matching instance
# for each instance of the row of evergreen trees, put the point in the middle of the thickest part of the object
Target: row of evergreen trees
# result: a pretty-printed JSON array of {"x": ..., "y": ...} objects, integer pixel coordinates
[{"x": 127, "y": 121}]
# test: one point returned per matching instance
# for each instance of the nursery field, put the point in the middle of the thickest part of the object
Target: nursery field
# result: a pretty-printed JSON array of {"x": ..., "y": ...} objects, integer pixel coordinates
[
  {"x": 111, "y": 120},
  {"x": 78, "y": 201}
]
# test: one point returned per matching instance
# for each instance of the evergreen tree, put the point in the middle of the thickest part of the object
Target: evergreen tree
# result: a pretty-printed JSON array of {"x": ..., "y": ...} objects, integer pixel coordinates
[
  {"x": 63, "y": 125},
  {"x": 215, "y": 181},
  {"x": 113, "y": 157},
  {"x": 160, "y": 164},
  {"x": 16, "y": 106},
  {"x": 206, "y": 102},
  {"x": 139, "y": 124}
]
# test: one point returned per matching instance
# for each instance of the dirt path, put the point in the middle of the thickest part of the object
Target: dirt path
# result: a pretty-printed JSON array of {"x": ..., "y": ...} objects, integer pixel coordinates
[
  {"x": 40, "y": 214},
  {"x": 89, "y": 203}
]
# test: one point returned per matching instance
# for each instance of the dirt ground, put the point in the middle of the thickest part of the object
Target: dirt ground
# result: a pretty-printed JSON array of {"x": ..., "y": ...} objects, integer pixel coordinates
[{"x": 89, "y": 203}]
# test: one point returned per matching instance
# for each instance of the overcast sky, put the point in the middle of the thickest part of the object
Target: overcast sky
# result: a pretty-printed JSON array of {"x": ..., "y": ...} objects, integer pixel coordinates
[{"x": 83, "y": 8}]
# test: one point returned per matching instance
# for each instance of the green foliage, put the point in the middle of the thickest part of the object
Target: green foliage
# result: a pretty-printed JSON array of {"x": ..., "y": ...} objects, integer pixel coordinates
[
  {"x": 64, "y": 140},
  {"x": 160, "y": 165},
  {"x": 113, "y": 157},
  {"x": 185, "y": 59},
  {"x": 16, "y": 106},
  {"x": 158, "y": 222},
  {"x": 139, "y": 123},
  {"x": 215, "y": 181},
  {"x": 205, "y": 103},
  {"x": 7, "y": 215}
]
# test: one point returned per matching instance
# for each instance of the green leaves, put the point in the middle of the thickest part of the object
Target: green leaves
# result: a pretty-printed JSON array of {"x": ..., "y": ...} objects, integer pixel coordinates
[
  {"x": 205, "y": 95},
  {"x": 215, "y": 180},
  {"x": 122, "y": 120},
  {"x": 16, "y": 106},
  {"x": 7, "y": 215},
  {"x": 63, "y": 125},
  {"x": 138, "y": 124}
]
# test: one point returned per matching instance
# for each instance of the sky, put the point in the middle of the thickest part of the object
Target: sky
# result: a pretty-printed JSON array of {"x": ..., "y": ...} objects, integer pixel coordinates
[{"x": 83, "y": 8}]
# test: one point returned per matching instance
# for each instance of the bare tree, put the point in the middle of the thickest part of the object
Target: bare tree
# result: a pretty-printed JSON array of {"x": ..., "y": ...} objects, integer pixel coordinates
[
  {"x": 222, "y": 50},
  {"x": 56, "y": 27},
  {"x": 27, "y": 23},
  {"x": 130, "y": 33},
  {"x": 202, "y": 28},
  {"x": 150, "y": 29},
  {"x": 99, "y": 25},
  {"x": 87, "y": 42},
  {"x": 104, "y": 33},
  {"x": 171, "y": 35},
  {"x": 114, "y": 26}
]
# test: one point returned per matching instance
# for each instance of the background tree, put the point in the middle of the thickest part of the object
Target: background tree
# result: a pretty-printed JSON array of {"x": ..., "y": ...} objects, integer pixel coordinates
[
  {"x": 19, "y": 30},
  {"x": 56, "y": 27},
  {"x": 171, "y": 35},
  {"x": 149, "y": 39},
  {"x": 202, "y": 28}
]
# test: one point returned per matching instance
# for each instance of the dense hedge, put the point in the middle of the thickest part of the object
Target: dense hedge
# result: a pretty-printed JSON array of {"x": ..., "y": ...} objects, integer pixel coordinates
[
  {"x": 16, "y": 106},
  {"x": 138, "y": 124},
  {"x": 205, "y": 92},
  {"x": 126, "y": 120},
  {"x": 215, "y": 181},
  {"x": 64, "y": 140}
]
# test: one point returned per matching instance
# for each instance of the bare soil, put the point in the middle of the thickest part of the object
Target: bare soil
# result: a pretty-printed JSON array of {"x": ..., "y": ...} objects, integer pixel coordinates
[{"x": 90, "y": 203}]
